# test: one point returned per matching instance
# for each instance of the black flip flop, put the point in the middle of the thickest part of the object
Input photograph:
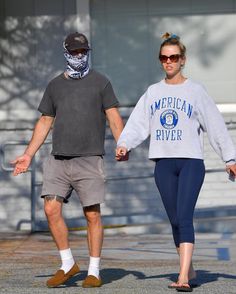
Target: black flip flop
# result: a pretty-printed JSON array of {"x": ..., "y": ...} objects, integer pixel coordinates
[
  {"x": 190, "y": 284},
  {"x": 184, "y": 288}
]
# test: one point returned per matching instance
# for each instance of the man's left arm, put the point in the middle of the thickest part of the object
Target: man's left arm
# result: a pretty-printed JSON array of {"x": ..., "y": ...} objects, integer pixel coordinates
[{"x": 115, "y": 122}]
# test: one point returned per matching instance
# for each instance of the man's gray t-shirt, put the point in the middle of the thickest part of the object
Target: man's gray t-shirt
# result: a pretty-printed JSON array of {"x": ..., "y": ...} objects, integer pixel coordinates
[{"x": 78, "y": 106}]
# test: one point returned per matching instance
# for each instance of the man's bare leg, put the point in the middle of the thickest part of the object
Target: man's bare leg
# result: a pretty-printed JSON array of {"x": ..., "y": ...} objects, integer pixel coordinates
[
  {"x": 95, "y": 240},
  {"x": 59, "y": 230}
]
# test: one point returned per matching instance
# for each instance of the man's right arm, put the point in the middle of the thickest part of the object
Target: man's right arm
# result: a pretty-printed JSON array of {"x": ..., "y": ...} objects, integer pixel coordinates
[{"x": 40, "y": 133}]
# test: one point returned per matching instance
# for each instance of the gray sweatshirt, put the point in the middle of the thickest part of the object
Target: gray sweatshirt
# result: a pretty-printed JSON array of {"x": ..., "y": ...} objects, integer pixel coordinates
[{"x": 175, "y": 116}]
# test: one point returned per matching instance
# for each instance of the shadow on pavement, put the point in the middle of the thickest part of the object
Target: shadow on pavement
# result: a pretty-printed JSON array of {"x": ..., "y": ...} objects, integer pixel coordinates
[
  {"x": 203, "y": 277},
  {"x": 108, "y": 276}
]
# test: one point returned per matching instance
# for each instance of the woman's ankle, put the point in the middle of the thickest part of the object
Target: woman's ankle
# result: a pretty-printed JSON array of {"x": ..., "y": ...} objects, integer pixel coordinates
[{"x": 183, "y": 279}]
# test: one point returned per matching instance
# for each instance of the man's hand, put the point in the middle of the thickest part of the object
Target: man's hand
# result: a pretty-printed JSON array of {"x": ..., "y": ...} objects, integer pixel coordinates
[
  {"x": 40, "y": 133},
  {"x": 22, "y": 164},
  {"x": 231, "y": 170},
  {"x": 122, "y": 154}
]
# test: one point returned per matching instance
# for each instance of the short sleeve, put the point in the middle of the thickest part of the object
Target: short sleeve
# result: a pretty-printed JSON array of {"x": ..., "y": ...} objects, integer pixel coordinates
[
  {"x": 109, "y": 99},
  {"x": 46, "y": 105}
]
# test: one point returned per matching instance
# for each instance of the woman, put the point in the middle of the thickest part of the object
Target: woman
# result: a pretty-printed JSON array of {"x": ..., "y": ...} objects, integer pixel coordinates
[{"x": 175, "y": 112}]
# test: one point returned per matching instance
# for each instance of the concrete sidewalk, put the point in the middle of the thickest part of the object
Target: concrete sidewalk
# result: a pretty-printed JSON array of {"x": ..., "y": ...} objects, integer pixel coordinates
[{"x": 132, "y": 263}]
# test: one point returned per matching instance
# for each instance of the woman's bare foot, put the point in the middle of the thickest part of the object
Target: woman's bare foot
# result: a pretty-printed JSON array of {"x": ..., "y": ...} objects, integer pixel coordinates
[
  {"x": 173, "y": 285},
  {"x": 180, "y": 284},
  {"x": 191, "y": 275}
]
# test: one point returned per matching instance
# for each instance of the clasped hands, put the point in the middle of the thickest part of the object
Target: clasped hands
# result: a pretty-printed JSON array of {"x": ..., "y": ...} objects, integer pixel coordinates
[{"x": 122, "y": 154}]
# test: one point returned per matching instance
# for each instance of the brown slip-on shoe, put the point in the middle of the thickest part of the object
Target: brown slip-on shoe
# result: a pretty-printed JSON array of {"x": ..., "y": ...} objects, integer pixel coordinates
[
  {"x": 60, "y": 277},
  {"x": 91, "y": 282}
]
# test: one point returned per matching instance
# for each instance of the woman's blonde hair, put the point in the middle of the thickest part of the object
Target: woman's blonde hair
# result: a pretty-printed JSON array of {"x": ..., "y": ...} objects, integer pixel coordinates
[{"x": 172, "y": 39}]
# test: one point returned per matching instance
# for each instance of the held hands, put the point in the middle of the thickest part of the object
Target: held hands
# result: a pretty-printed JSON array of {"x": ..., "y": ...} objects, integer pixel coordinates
[
  {"x": 22, "y": 164},
  {"x": 231, "y": 170},
  {"x": 122, "y": 154}
]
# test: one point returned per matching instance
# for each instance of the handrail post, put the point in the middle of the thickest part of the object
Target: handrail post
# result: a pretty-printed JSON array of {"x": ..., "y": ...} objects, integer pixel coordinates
[{"x": 33, "y": 193}]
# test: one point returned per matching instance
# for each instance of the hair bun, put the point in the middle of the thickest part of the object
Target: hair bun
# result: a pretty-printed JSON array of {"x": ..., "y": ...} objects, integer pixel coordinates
[{"x": 168, "y": 36}]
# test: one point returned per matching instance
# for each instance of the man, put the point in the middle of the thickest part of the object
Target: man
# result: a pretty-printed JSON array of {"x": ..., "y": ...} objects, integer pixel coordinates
[{"x": 77, "y": 102}]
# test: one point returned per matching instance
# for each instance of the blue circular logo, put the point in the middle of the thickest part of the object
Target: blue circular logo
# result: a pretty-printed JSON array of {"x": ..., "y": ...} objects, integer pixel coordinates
[{"x": 169, "y": 119}]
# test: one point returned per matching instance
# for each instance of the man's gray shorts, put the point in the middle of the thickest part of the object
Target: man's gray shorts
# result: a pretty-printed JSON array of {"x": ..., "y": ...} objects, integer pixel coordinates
[{"x": 83, "y": 174}]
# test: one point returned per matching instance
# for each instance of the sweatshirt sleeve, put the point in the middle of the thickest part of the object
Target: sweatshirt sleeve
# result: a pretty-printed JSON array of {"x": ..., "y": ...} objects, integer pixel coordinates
[
  {"x": 137, "y": 127},
  {"x": 213, "y": 123}
]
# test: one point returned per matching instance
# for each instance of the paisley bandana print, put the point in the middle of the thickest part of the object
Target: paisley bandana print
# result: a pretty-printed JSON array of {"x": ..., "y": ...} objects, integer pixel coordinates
[{"x": 77, "y": 66}]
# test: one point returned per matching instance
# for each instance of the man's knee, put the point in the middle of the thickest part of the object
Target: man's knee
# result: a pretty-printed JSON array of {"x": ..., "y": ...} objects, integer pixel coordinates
[
  {"x": 92, "y": 213},
  {"x": 52, "y": 205}
]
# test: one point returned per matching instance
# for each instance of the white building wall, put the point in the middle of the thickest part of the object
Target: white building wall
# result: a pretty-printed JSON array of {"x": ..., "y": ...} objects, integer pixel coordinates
[
  {"x": 31, "y": 37},
  {"x": 31, "y": 50},
  {"x": 125, "y": 37}
]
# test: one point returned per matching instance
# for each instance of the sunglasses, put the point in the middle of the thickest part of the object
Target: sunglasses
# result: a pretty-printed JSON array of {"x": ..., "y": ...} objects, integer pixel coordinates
[{"x": 173, "y": 58}]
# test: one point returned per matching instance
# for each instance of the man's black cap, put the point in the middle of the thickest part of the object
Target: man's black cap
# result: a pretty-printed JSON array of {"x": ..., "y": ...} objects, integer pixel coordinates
[{"x": 76, "y": 41}]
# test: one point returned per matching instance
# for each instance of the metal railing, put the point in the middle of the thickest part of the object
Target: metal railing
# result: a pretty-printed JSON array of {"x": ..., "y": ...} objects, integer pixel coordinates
[
  {"x": 32, "y": 169},
  {"x": 34, "y": 183}
]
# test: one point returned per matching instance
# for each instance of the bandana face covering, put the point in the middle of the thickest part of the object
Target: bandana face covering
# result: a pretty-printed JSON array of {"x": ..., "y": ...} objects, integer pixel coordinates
[{"x": 77, "y": 66}]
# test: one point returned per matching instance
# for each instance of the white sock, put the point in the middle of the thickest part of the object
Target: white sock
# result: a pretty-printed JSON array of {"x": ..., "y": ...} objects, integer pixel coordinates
[
  {"x": 67, "y": 260},
  {"x": 94, "y": 264}
]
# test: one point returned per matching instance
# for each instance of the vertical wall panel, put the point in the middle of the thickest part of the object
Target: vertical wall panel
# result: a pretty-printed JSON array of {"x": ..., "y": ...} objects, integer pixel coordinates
[{"x": 126, "y": 38}]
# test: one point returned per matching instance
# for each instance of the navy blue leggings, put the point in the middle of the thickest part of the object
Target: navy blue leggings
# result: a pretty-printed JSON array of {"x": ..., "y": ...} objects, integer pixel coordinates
[{"x": 179, "y": 181}]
